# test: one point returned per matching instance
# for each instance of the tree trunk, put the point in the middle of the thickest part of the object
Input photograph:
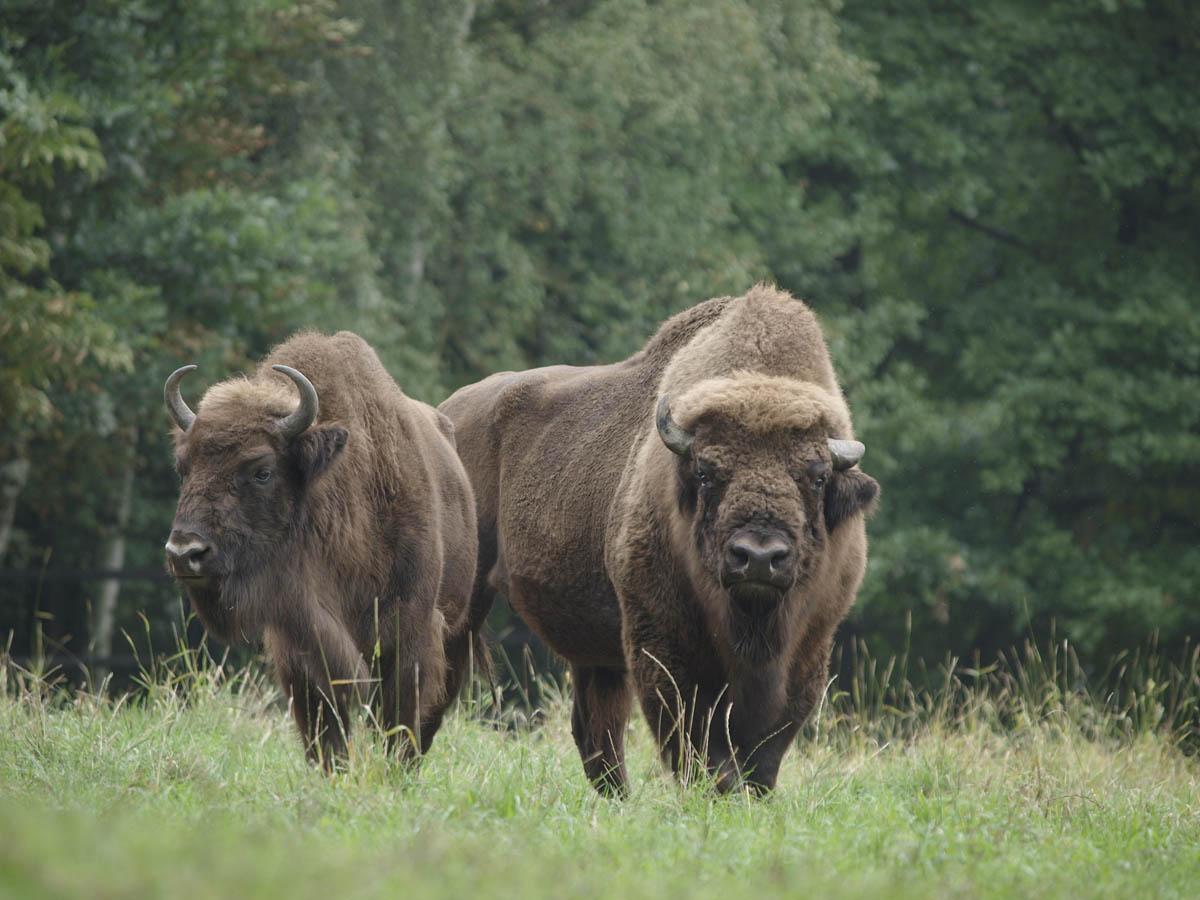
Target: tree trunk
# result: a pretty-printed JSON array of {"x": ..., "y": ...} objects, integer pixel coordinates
[
  {"x": 112, "y": 557},
  {"x": 13, "y": 475}
]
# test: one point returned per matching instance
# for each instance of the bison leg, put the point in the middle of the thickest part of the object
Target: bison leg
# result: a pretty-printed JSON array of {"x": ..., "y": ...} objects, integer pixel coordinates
[
  {"x": 763, "y": 760},
  {"x": 762, "y": 765},
  {"x": 693, "y": 736},
  {"x": 598, "y": 719},
  {"x": 399, "y": 702},
  {"x": 322, "y": 677},
  {"x": 412, "y": 696},
  {"x": 323, "y": 726},
  {"x": 460, "y": 649},
  {"x": 689, "y": 723}
]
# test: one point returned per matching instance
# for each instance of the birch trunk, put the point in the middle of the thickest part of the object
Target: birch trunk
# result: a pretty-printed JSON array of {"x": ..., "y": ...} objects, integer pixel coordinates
[
  {"x": 112, "y": 558},
  {"x": 13, "y": 475}
]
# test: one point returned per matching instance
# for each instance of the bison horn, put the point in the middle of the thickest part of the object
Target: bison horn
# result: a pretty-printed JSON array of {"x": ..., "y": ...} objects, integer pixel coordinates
[
  {"x": 845, "y": 453},
  {"x": 179, "y": 410},
  {"x": 306, "y": 412},
  {"x": 677, "y": 439}
]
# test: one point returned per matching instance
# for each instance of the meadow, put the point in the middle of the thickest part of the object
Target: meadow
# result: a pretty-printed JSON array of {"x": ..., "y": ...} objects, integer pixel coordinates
[{"x": 1010, "y": 781}]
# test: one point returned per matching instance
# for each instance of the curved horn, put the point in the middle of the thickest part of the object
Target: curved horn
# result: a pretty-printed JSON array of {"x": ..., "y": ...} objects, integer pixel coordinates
[
  {"x": 306, "y": 412},
  {"x": 845, "y": 453},
  {"x": 180, "y": 412},
  {"x": 677, "y": 439}
]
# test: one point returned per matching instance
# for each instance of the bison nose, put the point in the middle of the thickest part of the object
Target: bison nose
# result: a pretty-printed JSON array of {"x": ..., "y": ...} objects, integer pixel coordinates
[
  {"x": 187, "y": 552},
  {"x": 751, "y": 558}
]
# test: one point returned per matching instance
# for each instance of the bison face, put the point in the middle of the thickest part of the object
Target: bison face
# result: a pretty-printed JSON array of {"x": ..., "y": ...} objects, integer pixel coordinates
[
  {"x": 241, "y": 507},
  {"x": 760, "y": 507}
]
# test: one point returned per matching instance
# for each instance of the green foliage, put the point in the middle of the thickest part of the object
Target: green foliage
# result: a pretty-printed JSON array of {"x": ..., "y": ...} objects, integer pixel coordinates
[
  {"x": 993, "y": 208},
  {"x": 48, "y": 335},
  {"x": 1035, "y": 416},
  {"x": 191, "y": 243},
  {"x": 589, "y": 212}
]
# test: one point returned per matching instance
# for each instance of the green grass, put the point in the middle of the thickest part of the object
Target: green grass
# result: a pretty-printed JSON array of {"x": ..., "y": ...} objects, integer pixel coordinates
[{"x": 1008, "y": 783}]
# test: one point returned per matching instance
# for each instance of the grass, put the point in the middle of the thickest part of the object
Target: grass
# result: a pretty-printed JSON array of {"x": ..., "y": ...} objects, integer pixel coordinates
[{"x": 1008, "y": 782}]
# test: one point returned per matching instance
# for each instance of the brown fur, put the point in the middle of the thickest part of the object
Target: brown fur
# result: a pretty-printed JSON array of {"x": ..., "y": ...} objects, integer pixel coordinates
[
  {"x": 353, "y": 563},
  {"x": 608, "y": 545}
]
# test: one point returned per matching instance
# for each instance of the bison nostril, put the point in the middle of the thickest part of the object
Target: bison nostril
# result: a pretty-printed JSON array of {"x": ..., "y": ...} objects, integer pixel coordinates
[
  {"x": 187, "y": 549},
  {"x": 755, "y": 559},
  {"x": 737, "y": 558}
]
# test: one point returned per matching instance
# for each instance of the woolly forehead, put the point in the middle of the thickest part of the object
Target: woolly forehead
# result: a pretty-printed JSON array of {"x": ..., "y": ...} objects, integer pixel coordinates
[
  {"x": 762, "y": 404},
  {"x": 245, "y": 400},
  {"x": 239, "y": 411}
]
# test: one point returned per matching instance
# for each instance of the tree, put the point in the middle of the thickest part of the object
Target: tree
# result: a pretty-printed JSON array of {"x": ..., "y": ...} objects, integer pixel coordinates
[
  {"x": 49, "y": 335},
  {"x": 1032, "y": 349},
  {"x": 992, "y": 206},
  {"x": 194, "y": 241},
  {"x": 612, "y": 158}
]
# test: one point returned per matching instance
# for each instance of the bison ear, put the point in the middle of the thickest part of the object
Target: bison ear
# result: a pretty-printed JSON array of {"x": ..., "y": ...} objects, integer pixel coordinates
[
  {"x": 316, "y": 448},
  {"x": 849, "y": 492}
]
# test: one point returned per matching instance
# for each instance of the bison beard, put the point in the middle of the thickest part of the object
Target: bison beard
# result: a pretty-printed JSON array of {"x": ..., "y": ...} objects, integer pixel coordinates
[
  {"x": 218, "y": 614},
  {"x": 233, "y": 602},
  {"x": 755, "y": 631},
  {"x": 685, "y": 527},
  {"x": 339, "y": 530}
]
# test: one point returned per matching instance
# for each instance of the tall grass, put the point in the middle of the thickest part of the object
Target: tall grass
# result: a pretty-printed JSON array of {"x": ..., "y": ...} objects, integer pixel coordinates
[
  {"x": 1010, "y": 779},
  {"x": 1031, "y": 687}
]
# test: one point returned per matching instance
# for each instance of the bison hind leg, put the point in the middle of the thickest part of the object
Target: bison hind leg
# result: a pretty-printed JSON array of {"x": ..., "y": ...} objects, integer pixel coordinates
[{"x": 598, "y": 719}]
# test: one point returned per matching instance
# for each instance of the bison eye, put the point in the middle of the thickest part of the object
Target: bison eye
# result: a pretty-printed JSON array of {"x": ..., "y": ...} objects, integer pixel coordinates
[
  {"x": 819, "y": 482},
  {"x": 263, "y": 475}
]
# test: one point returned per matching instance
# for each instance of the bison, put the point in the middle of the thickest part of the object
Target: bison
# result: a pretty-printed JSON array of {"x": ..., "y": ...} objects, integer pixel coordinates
[
  {"x": 327, "y": 513},
  {"x": 687, "y": 524}
]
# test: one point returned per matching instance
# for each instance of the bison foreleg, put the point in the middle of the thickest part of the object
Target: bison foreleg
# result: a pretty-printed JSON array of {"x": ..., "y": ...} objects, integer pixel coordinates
[
  {"x": 763, "y": 760},
  {"x": 322, "y": 724},
  {"x": 324, "y": 677},
  {"x": 461, "y": 652},
  {"x": 762, "y": 765},
  {"x": 399, "y": 702},
  {"x": 693, "y": 735},
  {"x": 412, "y": 668},
  {"x": 598, "y": 719},
  {"x": 690, "y": 724}
]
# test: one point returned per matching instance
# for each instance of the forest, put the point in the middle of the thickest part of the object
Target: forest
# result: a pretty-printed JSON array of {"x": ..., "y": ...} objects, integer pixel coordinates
[{"x": 993, "y": 207}]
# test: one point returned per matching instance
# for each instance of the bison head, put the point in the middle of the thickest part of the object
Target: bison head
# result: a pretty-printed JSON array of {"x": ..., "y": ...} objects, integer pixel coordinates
[
  {"x": 245, "y": 462},
  {"x": 763, "y": 482}
]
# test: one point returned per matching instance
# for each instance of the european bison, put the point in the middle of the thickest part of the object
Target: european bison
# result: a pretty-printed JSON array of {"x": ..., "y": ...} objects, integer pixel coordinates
[
  {"x": 340, "y": 529},
  {"x": 688, "y": 523}
]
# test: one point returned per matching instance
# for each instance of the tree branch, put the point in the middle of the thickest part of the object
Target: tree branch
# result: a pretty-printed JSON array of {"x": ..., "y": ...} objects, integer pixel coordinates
[{"x": 993, "y": 232}]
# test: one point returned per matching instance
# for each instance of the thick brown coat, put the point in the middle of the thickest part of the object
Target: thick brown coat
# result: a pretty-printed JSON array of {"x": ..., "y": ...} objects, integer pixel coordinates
[
  {"x": 349, "y": 549},
  {"x": 629, "y": 559}
]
